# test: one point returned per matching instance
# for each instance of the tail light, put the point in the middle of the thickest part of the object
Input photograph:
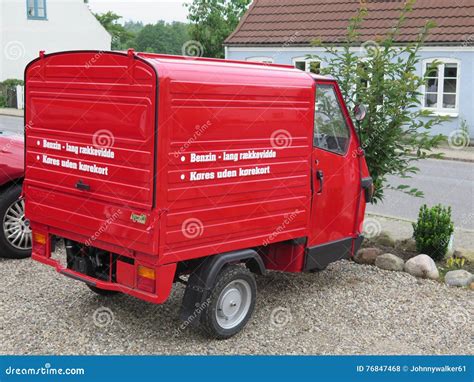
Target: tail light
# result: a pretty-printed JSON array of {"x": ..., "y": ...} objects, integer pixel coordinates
[
  {"x": 39, "y": 243},
  {"x": 146, "y": 279}
]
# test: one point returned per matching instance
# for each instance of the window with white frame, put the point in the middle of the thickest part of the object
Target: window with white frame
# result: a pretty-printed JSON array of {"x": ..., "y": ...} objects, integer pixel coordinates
[
  {"x": 265, "y": 60},
  {"x": 307, "y": 65},
  {"x": 441, "y": 92}
]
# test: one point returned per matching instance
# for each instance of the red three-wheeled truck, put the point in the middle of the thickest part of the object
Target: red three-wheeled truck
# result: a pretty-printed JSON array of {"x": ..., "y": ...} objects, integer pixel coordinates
[{"x": 153, "y": 169}]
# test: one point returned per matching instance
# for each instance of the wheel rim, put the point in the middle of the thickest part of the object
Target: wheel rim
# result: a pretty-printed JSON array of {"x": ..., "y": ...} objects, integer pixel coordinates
[
  {"x": 16, "y": 227},
  {"x": 233, "y": 304}
]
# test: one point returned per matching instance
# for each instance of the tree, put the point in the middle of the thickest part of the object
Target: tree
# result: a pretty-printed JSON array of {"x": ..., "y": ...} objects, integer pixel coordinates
[
  {"x": 162, "y": 38},
  {"x": 212, "y": 21},
  {"x": 120, "y": 35},
  {"x": 133, "y": 26},
  {"x": 396, "y": 132}
]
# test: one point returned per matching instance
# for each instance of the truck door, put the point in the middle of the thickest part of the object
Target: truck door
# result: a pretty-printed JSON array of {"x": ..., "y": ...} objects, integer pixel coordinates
[
  {"x": 90, "y": 146},
  {"x": 335, "y": 179}
]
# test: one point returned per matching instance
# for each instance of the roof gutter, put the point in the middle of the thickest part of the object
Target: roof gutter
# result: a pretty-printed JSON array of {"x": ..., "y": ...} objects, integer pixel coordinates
[{"x": 309, "y": 45}]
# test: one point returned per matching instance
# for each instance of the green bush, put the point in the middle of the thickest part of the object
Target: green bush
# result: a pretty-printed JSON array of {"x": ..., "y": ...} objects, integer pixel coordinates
[
  {"x": 455, "y": 262},
  {"x": 5, "y": 87},
  {"x": 12, "y": 82},
  {"x": 433, "y": 231}
]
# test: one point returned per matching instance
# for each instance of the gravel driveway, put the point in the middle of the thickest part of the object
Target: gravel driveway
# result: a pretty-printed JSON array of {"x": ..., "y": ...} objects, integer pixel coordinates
[{"x": 347, "y": 309}]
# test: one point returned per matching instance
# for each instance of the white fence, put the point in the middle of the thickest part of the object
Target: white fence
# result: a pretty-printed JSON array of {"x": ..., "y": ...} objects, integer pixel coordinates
[{"x": 20, "y": 97}]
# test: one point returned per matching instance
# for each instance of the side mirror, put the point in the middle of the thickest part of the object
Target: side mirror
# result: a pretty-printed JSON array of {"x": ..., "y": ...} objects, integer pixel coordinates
[{"x": 360, "y": 111}]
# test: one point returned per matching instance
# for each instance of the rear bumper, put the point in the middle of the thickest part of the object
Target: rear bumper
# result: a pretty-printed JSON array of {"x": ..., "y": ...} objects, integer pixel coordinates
[{"x": 164, "y": 276}]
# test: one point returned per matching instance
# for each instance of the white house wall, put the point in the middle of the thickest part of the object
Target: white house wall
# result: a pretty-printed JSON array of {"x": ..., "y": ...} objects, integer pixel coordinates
[
  {"x": 464, "y": 54},
  {"x": 69, "y": 26}
]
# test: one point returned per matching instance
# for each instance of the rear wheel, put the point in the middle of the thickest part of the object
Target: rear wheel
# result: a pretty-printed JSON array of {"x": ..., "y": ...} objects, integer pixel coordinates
[
  {"x": 15, "y": 235},
  {"x": 231, "y": 302},
  {"x": 102, "y": 292}
]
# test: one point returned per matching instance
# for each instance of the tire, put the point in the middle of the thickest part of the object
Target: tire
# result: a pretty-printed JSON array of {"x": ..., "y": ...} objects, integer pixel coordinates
[
  {"x": 231, "y": 302},
  {"x": 14, "y": 223},
  {"x": 102, "y": 292}
]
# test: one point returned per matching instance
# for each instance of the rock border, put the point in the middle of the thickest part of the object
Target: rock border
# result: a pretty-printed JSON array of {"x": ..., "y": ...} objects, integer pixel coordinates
[{"x": 420, "y": 266}]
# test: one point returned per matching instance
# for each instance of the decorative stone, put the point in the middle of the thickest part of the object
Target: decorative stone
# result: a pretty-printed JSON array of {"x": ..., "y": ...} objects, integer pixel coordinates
[
  {"x": 422, "y": 266},
  {"x": 459, "y": 278},
  {"x": 389, "y": 262},
  {"x": 367, "y": 255},
  {"x": 384, "y": 239},
  {"x": 464, "y": 253},
  {"x": 406, "y": 245}
]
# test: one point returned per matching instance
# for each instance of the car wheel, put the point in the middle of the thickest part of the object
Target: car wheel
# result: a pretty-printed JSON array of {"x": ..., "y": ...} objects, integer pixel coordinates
[
  {"x": 15, "y": 237},
  {"x": 231, "y": 302}
]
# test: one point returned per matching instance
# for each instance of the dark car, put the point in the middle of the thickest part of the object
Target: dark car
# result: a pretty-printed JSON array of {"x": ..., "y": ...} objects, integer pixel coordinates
[{"x": 15, "y": 237}]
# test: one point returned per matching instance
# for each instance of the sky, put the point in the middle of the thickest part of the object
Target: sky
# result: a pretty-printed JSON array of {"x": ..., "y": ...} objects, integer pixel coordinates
[{"x": 147, "y": 11}]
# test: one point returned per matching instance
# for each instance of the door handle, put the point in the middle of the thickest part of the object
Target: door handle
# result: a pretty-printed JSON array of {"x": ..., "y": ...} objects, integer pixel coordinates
[
  {"x": 82, "y": 186},
  {"x": 320, "y": 178}
]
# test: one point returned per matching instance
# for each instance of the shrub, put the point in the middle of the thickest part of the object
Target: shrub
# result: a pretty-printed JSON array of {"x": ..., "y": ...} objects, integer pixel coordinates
[
  {"x": 455, "y": 262},
  {"x": 12, "y": 82},
  {"x": 433, "y": 231},
  {"x": 8, "y": 87}
]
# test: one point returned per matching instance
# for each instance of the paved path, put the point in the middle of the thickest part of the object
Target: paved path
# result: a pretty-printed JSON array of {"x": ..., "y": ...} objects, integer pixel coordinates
[
  {"x": 13, "y": 124},
  {"x": 447, "y": 182},
  {"x": 12, "y": 112}
]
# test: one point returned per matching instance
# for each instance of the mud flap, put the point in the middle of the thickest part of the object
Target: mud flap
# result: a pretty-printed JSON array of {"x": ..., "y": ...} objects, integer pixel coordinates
[
  {"x": 202, "y": 281},
  {"x": 320, "y": 256}
]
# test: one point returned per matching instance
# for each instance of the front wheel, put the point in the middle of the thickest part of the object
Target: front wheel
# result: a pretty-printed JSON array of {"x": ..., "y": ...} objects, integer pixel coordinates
[
  {"x": 231, "y": 302},
  {"x": 15, "y": 235}
]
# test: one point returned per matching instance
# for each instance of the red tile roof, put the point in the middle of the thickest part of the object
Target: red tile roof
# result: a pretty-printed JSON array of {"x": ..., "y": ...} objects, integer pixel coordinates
[{"x": 299, "y": 22}]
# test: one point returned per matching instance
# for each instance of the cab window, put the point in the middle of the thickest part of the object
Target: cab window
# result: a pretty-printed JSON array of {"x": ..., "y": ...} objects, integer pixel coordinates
[{"x": 330, "y": 127}]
